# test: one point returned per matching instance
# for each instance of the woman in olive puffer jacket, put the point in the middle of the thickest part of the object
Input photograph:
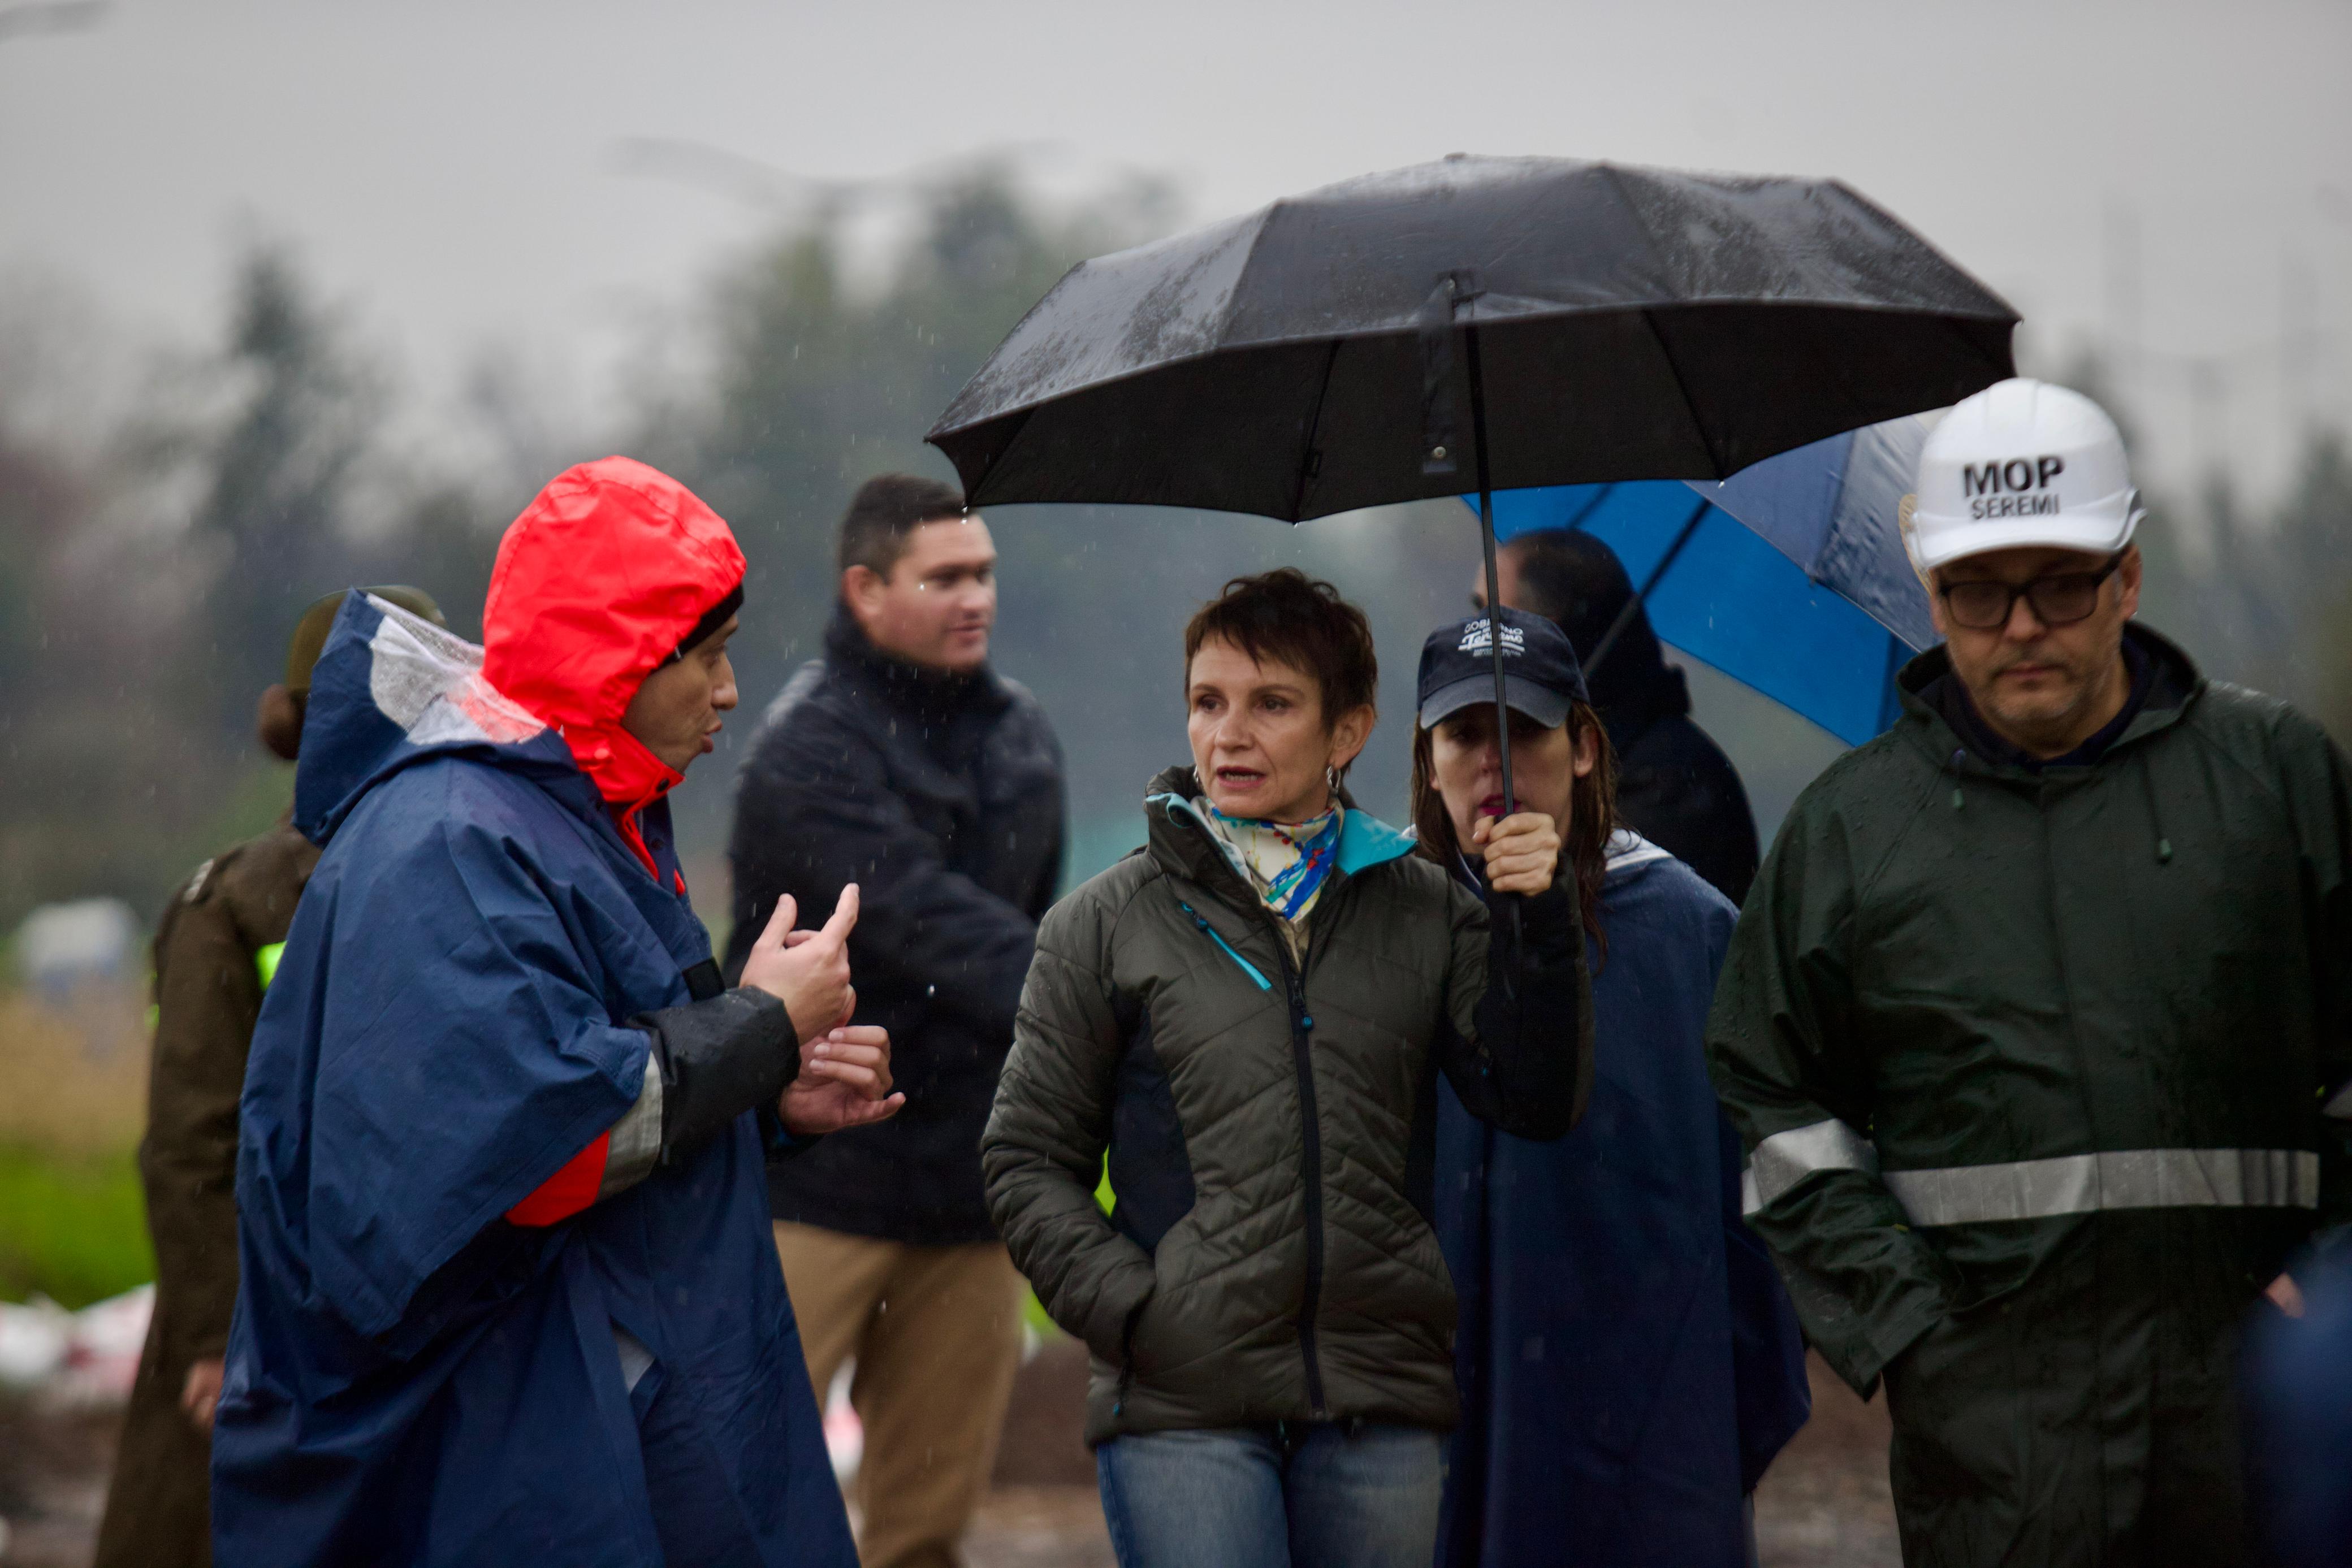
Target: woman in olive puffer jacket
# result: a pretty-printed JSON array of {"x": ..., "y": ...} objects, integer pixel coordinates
[{"x": 1249, "y": 1015}]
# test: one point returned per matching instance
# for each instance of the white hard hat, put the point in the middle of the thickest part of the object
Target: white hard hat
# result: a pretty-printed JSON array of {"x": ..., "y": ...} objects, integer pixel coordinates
[{"x": 2023, "y": 463}]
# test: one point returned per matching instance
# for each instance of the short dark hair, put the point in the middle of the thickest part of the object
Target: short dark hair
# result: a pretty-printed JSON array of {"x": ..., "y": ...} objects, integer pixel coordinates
[
  {"x": 1286, "y": 617},
  {"x": 886, "y": 509},
  {"x": 1573, "y": 580},
  {"x": 1577, "y": 582}
]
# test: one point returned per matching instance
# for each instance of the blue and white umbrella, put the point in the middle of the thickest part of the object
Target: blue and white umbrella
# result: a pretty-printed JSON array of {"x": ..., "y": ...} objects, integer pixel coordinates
[{"x": 1789, "y": 576}]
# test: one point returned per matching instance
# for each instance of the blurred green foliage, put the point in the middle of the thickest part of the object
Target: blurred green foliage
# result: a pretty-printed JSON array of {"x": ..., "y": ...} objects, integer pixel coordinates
[{"x": 73, "y": 1228}]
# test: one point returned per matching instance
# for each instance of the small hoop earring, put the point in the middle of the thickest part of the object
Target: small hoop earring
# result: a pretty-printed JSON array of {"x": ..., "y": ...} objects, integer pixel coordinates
[{"x": 1331, "y": 779}]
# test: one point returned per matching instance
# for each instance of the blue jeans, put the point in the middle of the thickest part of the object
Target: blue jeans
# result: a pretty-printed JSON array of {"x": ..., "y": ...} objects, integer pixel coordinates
[{"x": 1286, "y": 1496}]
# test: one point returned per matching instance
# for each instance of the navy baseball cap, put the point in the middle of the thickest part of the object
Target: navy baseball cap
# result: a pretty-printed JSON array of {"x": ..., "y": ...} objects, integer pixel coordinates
[{"x": 1540, "y": 674}]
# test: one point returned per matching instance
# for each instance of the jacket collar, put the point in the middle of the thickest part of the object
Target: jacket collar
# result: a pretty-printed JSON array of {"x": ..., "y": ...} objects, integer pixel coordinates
[
  {"x": 391, "y": 691},
  {"x": 909, "y": 686},
  {"x": 2178, "y": 686},
  {"x": 1662, "y": 695},
  {"x": 1184, "y": 844}
]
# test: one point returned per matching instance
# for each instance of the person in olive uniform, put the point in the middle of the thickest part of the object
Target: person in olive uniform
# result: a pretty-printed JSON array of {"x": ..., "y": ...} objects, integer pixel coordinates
[{"x": 216, "y": 948}]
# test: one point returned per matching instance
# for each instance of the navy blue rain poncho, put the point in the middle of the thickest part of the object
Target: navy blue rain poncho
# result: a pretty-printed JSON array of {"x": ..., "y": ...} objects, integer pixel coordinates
[
  {"x": 413, "y": 1377},
  {"x": 1628, "y": 1362}
]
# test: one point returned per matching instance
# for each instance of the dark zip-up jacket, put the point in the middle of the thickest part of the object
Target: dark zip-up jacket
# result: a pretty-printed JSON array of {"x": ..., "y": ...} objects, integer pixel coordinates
[
  {"x": 1674, "y": 786},
  {"x": 941, "y": 797},
  {"x": 1269, "y": 1124},
  {"x": 2037, "y": 1069}
]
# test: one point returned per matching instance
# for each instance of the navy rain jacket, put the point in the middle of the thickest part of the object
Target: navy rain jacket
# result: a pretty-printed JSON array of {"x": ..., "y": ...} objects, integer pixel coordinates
[
  {"x": 415, "y": 1376},
  {"x": 1629, "y": 1361}
]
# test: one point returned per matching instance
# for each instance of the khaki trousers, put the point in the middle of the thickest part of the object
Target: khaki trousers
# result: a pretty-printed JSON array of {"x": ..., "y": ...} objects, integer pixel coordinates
[{"x": 936, "y": 1334}]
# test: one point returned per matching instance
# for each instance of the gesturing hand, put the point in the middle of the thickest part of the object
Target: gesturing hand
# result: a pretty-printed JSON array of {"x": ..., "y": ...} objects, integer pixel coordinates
[
  {"x": 808, "y": 971},
  {"x": 1522, "y": 850},
  {"x": 844, "y": 1082}
]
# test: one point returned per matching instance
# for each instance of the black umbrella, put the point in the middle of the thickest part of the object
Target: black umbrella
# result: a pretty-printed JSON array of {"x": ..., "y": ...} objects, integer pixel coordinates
[{"x": 1598, "y": 322}]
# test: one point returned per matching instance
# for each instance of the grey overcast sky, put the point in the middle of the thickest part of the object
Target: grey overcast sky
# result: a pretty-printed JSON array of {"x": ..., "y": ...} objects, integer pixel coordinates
[{"x": 449, "y": 168}]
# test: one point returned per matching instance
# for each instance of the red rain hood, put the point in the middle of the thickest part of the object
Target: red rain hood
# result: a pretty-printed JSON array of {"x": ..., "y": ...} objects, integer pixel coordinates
[{"x": 596, "y": 583}]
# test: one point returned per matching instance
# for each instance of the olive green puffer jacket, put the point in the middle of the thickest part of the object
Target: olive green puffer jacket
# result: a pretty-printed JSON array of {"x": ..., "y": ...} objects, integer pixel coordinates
[{"x": 1269, "y": 1124}]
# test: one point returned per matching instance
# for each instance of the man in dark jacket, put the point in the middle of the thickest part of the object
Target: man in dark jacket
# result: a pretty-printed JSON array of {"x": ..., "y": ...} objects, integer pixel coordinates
[
  {"x": 901, "y": 762},
  {"x": 1674, "y": 786},
  {"x": 215, "y": 949},
  {"x": 2037, "y": 1027}
]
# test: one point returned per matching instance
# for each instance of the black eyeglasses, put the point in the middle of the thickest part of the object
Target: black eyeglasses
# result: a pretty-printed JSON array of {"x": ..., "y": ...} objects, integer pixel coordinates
[{"x": 2059, "y": 600}]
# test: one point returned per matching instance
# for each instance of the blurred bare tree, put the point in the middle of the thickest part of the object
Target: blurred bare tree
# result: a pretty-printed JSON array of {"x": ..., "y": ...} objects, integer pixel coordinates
[
  {"x": 2279, "y": 589},
  {"x": 152, "y": 570},
  {"x": 273, "y": 528},
  {"x": 817, "y": 379},
  {"x": 2259, "y": 597}
]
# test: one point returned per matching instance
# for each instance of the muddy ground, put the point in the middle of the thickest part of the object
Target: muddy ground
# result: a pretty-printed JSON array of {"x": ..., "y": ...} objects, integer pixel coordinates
[{"x": 1824, "y": 1504}]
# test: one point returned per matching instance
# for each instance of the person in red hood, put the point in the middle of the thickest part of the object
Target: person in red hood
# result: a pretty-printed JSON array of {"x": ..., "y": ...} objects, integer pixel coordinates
[{"x": 506, "y": 1288}]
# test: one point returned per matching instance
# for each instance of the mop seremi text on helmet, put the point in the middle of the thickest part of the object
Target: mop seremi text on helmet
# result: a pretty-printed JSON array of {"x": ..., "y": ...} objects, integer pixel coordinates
[{"x": 2023, "y": 463}]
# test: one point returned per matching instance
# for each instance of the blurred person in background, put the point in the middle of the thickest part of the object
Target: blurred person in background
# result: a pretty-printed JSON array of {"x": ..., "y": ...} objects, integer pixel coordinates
[
  {"x": 215, "y": 949},
  {"x": 1251, "y": 1016},
  {"x": 902, "y": 763},
  {"x": 2299, "y": 1410},
  {"x": 1628, "y": 1359},
  {"x": 1674, "y": 786},
  {"x": 2038, "y": 1024},
  {"x": 507, "y": 1292}
]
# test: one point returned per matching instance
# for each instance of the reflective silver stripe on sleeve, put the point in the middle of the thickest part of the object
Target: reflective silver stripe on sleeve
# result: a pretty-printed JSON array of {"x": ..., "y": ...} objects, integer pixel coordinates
[
  {"x": 2128, "y": 1178},
  {"x": 636, "y": 1136},
  {"x": 1784, "y": 1159}
]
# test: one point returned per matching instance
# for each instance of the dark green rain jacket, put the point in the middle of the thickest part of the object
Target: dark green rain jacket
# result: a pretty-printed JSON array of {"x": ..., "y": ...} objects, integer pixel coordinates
[
  {"x": 1271, "y": 1125},
  {"x": 2041, "y": 1075}
]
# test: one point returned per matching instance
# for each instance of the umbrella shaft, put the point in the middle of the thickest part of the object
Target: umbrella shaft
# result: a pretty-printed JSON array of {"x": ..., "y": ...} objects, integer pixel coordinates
[
  {"x": 1494, "y": 597},
  {"x": 1494, "y": 576}
]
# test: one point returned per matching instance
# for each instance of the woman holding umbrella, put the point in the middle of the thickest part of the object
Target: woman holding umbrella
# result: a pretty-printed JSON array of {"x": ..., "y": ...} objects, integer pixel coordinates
[
  {"x": 1251, "y": 1016},
  {"x": 1628, "y": 1362}
]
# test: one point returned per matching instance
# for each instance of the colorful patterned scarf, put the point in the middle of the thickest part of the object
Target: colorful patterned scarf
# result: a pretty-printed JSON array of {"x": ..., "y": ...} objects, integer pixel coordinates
[{"x": 1286, "y": 862}]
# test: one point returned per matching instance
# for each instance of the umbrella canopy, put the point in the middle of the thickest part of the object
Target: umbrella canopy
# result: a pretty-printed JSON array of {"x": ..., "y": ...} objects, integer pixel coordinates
[
  {"x": 1631, "y": 324},
  {"x": 1790, "y": 577},
  {"x": 1613, "y": 322}
]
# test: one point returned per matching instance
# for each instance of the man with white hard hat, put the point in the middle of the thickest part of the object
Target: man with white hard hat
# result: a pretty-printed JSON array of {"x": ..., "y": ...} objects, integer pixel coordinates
[{"x": 2038, "y": 1022}]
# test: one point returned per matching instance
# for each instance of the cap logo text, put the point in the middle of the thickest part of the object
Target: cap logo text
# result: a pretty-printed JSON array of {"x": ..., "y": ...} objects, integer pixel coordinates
[
  {"x": 2016, "y": 489},
  {"x": 1479, "y": 637}
]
